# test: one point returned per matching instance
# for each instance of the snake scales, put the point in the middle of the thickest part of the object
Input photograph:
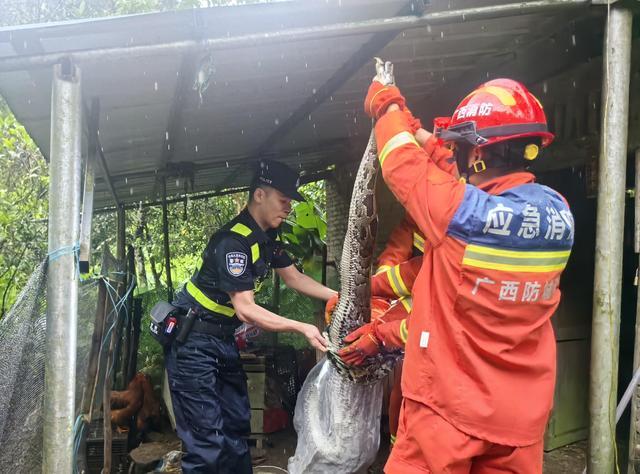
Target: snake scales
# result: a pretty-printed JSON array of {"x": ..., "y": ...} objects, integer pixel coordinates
[{"x": 338, "y": 409}]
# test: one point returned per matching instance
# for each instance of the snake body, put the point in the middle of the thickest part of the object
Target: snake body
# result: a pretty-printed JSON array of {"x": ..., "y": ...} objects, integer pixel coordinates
[{"x": 338, "y": 409}]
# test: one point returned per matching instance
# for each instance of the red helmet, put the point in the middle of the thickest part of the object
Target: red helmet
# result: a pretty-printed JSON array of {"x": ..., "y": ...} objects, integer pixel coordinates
[{"x": 498, "y": 110}]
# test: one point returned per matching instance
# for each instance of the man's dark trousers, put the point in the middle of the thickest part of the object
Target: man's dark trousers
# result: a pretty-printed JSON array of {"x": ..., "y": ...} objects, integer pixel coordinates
[{"x": 210, "y": 403}]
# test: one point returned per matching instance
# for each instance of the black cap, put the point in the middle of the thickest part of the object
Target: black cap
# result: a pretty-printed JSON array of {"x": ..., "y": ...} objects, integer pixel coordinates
[{"x": 278, "y": 176}]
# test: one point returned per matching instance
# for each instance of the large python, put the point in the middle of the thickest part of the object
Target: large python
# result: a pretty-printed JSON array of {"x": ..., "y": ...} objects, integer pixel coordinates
[{"x": 338, "y": 409}]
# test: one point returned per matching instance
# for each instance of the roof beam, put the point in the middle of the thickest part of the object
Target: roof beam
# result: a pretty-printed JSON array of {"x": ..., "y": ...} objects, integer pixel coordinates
[
  {"x": 305, "y": 179},
  {"x": 342, "y": 75},
  {"x": 94, "y": 138},
  {"x": 380, "y": 25}
]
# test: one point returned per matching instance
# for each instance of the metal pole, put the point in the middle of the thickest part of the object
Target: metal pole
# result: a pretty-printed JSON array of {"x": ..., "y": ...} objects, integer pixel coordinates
[
  {"x": 165, "y": 233},
  {"x": 634, "y": 436},
  {"x": 89, "y": 184},
  {"x": 365, "y": 27},
  {"x": 609, "y": 235},
  {"x": 62, "y": 279}
]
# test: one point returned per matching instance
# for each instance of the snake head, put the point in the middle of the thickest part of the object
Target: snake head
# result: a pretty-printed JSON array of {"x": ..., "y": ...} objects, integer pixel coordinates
[{"x": 384, "y": 72}]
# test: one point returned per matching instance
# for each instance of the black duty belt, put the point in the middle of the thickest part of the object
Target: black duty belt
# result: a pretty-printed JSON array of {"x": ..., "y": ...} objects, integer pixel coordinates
[{"x": 213, "y": 328}]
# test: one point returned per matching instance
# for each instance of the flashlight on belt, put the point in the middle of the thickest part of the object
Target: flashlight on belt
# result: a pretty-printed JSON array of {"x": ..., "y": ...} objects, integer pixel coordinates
[{"x": 185, "y": 326}]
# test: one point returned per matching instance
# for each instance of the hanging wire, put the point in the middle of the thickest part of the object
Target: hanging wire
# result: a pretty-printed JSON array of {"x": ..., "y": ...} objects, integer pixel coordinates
[{"x": 116, "y": 307}]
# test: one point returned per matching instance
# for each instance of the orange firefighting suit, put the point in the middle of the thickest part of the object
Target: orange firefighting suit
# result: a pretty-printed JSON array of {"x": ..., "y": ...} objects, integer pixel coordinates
[
  {"x": 480, "y": 354},
  {"x": 404, "y": 242},
  {"x": 398, "y": 266}
]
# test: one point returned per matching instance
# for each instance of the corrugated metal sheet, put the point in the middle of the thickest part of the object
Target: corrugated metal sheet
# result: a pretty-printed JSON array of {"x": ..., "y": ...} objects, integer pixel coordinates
[{"x": 154, "y": 122}]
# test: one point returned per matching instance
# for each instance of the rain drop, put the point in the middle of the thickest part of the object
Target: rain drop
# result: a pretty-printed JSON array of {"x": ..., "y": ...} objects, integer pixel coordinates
[
  {"x": 242, "y": 132},
  {"x": 314, "y": 126},
  {"x": 404, "y": 34},
  {"x": 126, "y": 180},
  {"x": 314, "y": 91},
  {"x": 574, "y": 84},
  {"x": 155, "y": 86},
  {"x": 544, "y": 87},
  {"x": 259, "y": 64},
  {"x": 98, "y": 132},
  {"x": 178, "y": 183},
  {"x": 306, "y": 66},
  {"x": 130, "y": 191},
  {"x": 355, "y": 119},
  {"x": 166, "y": 135},
  {"x": 28, "y": 101},
  {"x": 573, "y": 40},
  {"x": 168, "y": 146},
  {"x": 412, "y": 7},
  {"x": 428, "y": 28},
  {"x": 226, "y": 164},
  {"x": 107, "y": 117},
  {"x": 309, "y": 117},
  {"x": 331, "y": 98},
  {"x": 286, "y": 79},
  {"x": 196, "y": 148},
  {"x": 442, "y": 34},
  {"x": 277, "y": 121}
]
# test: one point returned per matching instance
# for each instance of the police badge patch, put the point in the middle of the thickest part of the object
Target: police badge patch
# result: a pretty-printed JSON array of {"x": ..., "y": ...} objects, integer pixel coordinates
[{"x": 236, "y": 263}]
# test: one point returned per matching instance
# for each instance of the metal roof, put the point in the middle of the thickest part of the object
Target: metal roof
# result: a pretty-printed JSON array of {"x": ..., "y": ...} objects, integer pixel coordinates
[{"x": 285, "y": 79}]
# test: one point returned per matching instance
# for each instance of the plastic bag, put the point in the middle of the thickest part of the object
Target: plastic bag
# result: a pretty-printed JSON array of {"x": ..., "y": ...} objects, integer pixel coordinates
[{"x": 338, "y": 423}]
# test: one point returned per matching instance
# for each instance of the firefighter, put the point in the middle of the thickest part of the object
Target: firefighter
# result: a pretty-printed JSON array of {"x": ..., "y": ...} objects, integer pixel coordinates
[
  {"x": 398, "y": 266},
  {"x": 208, "y": 385},
  {"x": 479, "y": 366}
]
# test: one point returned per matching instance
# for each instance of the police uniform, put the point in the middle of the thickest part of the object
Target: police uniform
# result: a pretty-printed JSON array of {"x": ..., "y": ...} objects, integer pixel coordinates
[{"x": 208, "y": 385}]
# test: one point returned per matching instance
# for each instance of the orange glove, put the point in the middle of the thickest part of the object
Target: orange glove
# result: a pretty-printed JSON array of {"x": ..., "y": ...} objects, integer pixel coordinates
[
  {"x": 330, "y": 307},
  {"x": 380, "y": 97},
  {"x": 362, "y": 344},
  {"x": 379, "y": 306},
  {"x": 391, "y": 333}
]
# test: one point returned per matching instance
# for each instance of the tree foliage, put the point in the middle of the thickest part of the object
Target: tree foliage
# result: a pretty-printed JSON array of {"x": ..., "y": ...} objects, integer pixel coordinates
[{"x": 23, "y": 207}]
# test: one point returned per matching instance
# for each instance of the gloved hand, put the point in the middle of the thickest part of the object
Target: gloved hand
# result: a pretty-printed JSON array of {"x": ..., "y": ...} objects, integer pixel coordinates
[
  {"x": 379, "y": 97},
  {"x": 414, "y": 122},
  {"x": 330, "y": 307},
  {"x": 362, "y": 344},
  {"x": 379, "y": 306},
  {"x": 392, "y": 334}
]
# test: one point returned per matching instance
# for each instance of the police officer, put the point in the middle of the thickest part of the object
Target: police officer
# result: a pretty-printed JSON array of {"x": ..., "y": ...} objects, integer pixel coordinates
[{"x": 208, "y": 385}]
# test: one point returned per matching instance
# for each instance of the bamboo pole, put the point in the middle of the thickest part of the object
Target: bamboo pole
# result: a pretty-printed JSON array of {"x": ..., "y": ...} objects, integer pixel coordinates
[{"x": 609, "y": 236}]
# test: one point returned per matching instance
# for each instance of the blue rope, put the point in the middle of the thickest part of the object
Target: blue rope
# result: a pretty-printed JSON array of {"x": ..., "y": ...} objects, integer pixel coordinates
[{"x": 62, "y": 251}]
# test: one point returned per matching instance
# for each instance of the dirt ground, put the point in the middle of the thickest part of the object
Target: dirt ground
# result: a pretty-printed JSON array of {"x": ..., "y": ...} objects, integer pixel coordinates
[{"x": 280, "y": 446}]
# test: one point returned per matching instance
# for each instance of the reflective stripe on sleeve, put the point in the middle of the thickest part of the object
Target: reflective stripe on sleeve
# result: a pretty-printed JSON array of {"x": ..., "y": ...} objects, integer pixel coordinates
[
  {"x": 206, "y": 302},
  {"x": 382, "y": 269},
  {"x": 395, "y": 279},
  {"x": 398, "y": 140},
  {"x": 418, "y": 242},
  {"x": 404, "y": 332},
  {"x": 255, "y": 253},
  {"x": 407, "y": 302}
]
